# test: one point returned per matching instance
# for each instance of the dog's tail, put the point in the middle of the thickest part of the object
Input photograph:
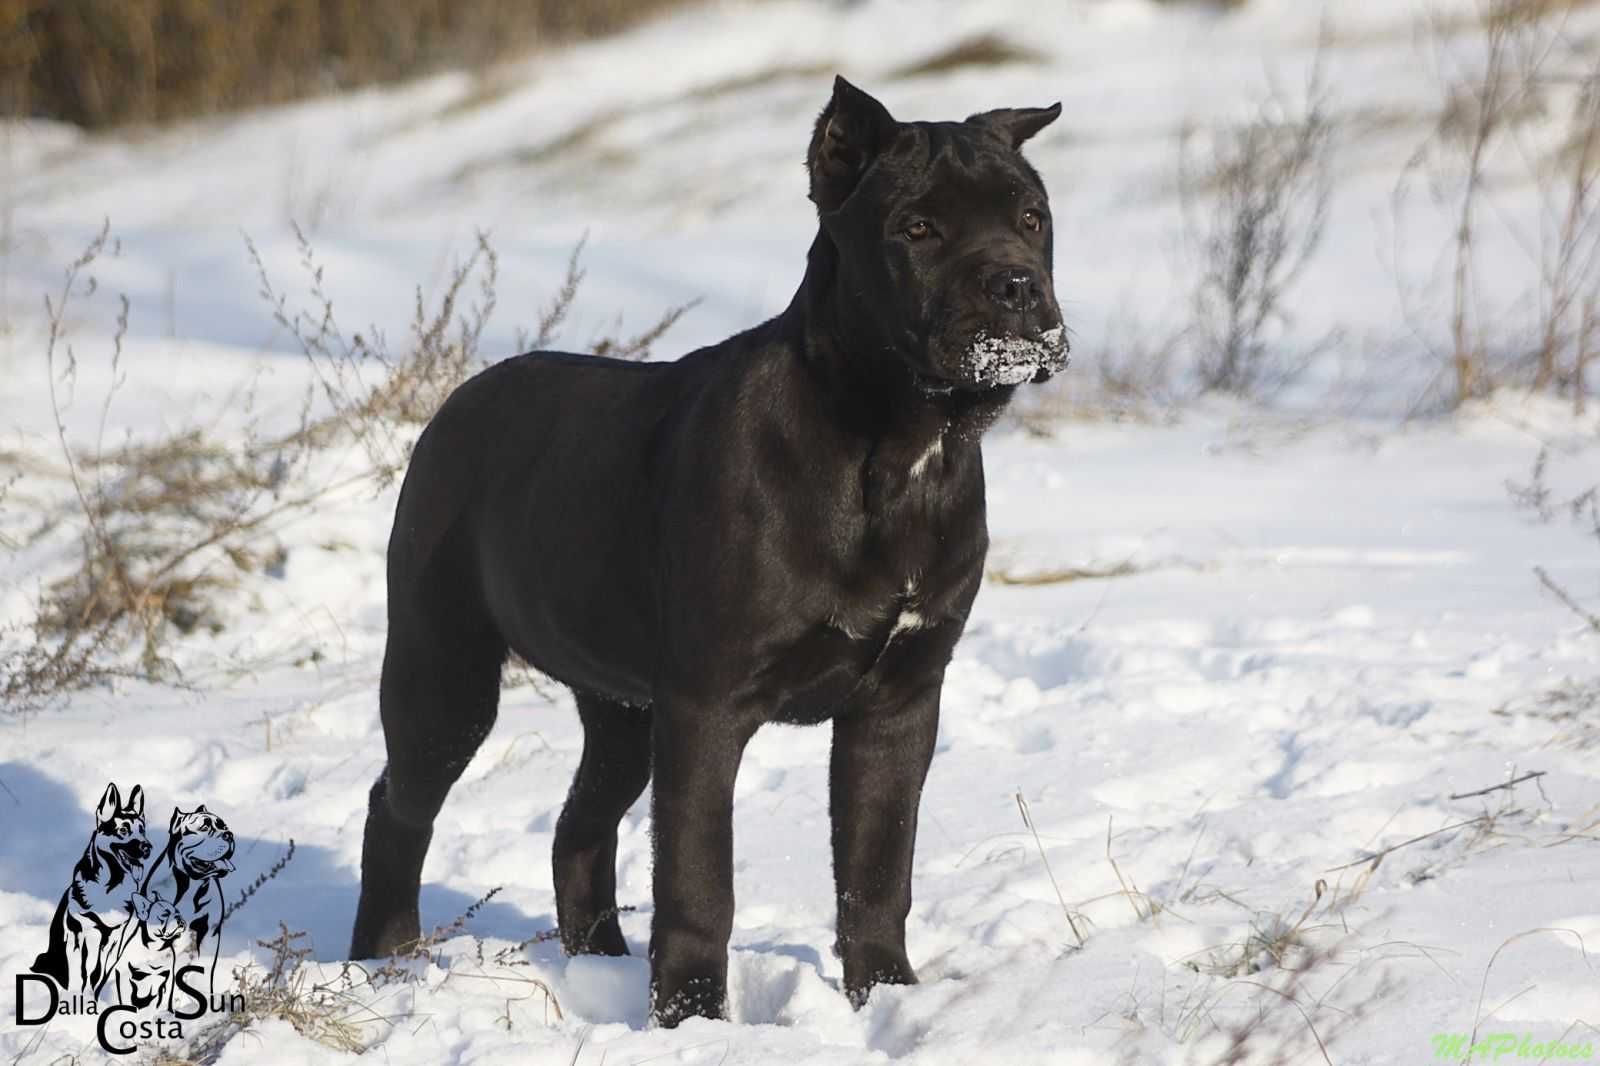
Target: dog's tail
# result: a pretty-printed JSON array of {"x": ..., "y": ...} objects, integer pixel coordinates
[{"x": 52, "y": 962}]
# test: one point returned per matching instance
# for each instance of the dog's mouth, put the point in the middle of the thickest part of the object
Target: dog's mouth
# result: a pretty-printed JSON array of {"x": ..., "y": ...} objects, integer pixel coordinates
[
  {"x": 994, "y": 361},
  {"x": 207, "y": 867},
  {"x": 133, "y": 852},
  {"x": 206, "y": 856}
]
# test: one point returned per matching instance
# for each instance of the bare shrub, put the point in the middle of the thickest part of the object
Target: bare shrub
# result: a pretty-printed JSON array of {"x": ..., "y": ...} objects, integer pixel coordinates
[
  {"x": 340, "y": 1009},
  {"x": 168, "y": 526},
  {"x": 368, "y": 395},
  {"x": 1126, "y": 373},
  {"x": 1268, "y": 183},
  {"x": 1134, "y": 366},
  {"x": 1572, "y": 705},
  {"x": 1281, "y": 1015},
  {"x": 1583, "y": 508},
  {"x": 1480, "y": 106},
  {"x": 163, "y": 527},
  {"x": 374, "y": 397},
  {"x": 285, "y": 989},
  {"x": 1569, "y": 277},
  {"x": 1291, "y": 1023},
  {"x": 1493, "y": 88}
]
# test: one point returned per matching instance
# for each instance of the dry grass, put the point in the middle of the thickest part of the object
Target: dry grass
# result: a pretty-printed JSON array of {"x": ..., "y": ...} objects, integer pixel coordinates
[
  {"x": 1503, "y": 84},
  {"x": 102, "y": 64},
  {"x": 1066, "y": 911},
  {"x": 346, "y": 1009},
  {"x": 1268, "y": 184},
  {"x": 1124, "y": 373},
  {"x": 1061, "y": 575},
  {"x": 1573, "y": 705},
  {"x": 168, "y": 527},
  {"x": 984, "y": 50},
  {"x": 759, "y": 78},
  {"x": 1571, "y": 708},
  {"x": 1569, "y": 275},
  {"x": 1285, "y": 941},
  {"x": 1275, "y": 1016},
  {"x": 285, "y": 989}
]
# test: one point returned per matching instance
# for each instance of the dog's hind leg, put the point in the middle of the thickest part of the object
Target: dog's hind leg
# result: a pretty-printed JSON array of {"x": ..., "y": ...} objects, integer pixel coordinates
[
  {"x": 438, "y": 698},
  {"x": 612, "y": 774}
]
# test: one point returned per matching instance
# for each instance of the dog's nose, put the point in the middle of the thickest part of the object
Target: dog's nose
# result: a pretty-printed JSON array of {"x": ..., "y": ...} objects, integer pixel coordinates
[{"x": 1014, "y": 288}]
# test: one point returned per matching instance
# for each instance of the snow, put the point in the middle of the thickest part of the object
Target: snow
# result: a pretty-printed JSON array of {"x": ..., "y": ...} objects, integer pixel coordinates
[
  {"x": 1323, "y": 625},
  {"x": 1013, "y": 360}
]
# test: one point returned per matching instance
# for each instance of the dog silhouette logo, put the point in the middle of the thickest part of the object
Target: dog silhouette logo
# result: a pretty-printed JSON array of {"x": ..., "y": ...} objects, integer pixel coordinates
[
  {"x": 87, "y": 931},
  {"x": 188, "y": 875},
  {"x": 134, "y": 933}
]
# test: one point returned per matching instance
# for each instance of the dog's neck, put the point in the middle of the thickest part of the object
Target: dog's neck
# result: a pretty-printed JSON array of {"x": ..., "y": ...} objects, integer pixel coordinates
[{"x": 874, "y": 392}]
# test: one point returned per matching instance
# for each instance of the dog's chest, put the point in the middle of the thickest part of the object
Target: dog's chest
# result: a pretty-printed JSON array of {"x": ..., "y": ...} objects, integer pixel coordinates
[
  {"x": 867, "y": 641},
  {"x": 892, "y": 618}
]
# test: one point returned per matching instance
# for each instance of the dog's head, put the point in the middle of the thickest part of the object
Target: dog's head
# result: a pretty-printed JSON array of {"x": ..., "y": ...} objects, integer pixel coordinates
[
  {"x": 202, "y": 843},
  {"x": 945, "y": 241},
  {"x": 161, "y": 919},
  {"x": 119, "y": 832}
]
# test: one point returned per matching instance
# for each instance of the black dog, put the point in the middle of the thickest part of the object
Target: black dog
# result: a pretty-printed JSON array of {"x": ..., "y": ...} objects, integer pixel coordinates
[{"x": 784, "y": 527}]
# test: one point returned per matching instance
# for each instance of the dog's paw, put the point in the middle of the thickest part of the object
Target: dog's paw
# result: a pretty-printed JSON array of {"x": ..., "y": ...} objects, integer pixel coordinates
[
  {"x": 868, "y": 966},
  {"x": 597, "y": 937},
  {"x": 672, "y": 1002}
]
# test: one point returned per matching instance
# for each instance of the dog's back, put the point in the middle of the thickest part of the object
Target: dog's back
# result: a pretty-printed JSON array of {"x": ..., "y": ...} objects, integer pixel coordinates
[{"x": 498, "y": 452}]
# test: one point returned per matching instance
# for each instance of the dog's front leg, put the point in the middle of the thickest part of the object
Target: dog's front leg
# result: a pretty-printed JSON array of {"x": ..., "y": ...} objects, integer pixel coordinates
[
  {"x": 880, "y": 758},
  {"x": 696, "y": 754}
]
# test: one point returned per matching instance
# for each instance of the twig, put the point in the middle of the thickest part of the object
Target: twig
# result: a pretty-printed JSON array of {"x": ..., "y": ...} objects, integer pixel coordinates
[
  {"x": 255, "y": 886},
  {"x": 1133, "y": 902},
  {"x": 1377, "y": 856},
  {"x": 1483, "y": 988},
  {"x": 1589, "y": 617},
  {"x": 1529, "y": 776},
  {"x": 1027, "y": 820}
]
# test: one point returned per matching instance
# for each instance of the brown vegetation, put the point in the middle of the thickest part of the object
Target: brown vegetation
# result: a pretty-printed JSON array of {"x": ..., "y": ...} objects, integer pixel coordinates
[
  {"x": 105, "y": 62},
  {"x": 168, "y": 526}
]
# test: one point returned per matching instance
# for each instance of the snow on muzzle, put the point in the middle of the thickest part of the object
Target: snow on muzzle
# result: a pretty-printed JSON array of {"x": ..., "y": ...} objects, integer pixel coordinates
[{"x": 1012, "y": 360}]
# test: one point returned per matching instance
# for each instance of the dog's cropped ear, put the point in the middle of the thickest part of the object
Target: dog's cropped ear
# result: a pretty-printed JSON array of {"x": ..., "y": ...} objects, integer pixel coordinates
[
  {"x": 200, "y": 810},
  {"x": 110, "y": 803},
  {"x": 140, "y": 905},
  {"x": 850, "y": 132},
  {"x": 136, "y": 801},
  {"x": 178, "y": 815},
  {"x": 1017, "y": 124}
]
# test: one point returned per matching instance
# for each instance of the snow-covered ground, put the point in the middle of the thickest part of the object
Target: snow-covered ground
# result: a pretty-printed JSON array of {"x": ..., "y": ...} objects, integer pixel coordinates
[{"x": 1324, "y": 623}]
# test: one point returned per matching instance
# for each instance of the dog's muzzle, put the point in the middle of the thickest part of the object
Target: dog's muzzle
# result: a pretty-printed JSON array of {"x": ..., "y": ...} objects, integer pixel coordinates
[{"x": 993, "y": 361}]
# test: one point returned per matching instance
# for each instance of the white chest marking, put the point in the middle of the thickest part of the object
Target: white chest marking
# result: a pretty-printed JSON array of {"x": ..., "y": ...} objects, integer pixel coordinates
[
  {"x": 908, "y": 620},
  {"x": 935, "y": 450}
]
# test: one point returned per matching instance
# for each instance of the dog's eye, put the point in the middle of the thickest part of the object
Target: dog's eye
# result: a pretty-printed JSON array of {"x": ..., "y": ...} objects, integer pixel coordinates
[
  {"x": 918, "y": 230},
  {"x": 1033, "y": 220}
]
